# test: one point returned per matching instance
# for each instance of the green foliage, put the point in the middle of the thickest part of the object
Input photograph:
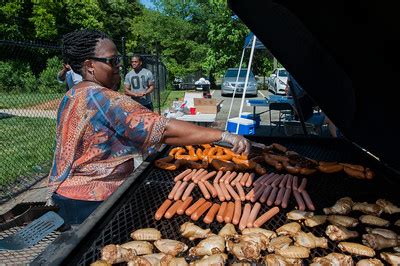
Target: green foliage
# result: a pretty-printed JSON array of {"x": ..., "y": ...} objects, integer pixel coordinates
[
  {"x": 44, "y": 16},
  {"x": 48, "y": 77},
  {"x": 14, "y": 23},
  {"x": 85, "y": 14},
  {"x": 16, "y": 76}
]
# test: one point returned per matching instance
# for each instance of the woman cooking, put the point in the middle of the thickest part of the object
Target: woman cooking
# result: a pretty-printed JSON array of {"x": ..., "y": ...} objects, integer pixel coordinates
[{"x": 99, "y": 131}]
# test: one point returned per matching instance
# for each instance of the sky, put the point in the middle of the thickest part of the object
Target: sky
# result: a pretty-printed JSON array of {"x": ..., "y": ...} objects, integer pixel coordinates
[{"x": 147, "y": 3}]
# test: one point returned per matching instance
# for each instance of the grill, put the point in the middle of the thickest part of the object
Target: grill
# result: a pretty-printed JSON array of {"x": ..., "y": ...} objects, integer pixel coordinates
[{"x": 136, "y": 207}]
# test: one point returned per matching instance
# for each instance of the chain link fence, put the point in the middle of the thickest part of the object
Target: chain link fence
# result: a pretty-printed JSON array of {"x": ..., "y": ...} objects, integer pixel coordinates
[{"x": 29, "y": 98}]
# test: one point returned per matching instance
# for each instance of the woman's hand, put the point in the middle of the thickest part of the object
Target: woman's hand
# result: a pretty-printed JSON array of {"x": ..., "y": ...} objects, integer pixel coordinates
[{"x": 240, "y": 144}]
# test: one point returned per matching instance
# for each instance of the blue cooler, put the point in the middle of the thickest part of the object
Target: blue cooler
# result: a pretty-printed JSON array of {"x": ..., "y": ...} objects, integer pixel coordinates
[
  {"x": 246, "y": 126},
  {"x": 250, "y": 116}
]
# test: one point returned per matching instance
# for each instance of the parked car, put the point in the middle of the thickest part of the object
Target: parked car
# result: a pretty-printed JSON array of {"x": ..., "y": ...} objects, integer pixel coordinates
[
  {"x": 229, "y": 82},
  {"x": 278, "y": 80}
]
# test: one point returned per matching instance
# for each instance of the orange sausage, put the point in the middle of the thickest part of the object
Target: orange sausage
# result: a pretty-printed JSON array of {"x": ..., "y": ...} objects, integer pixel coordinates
[
  {"x": 163, "y": 208},
  {"x": 180, "y": 190},
  {"x": 189, "y": 176},
  {"x": 189, "y": 211},
  {"x": 173, "y": 209},
  {"x": 307, "y": 171},
  {"x": 182, "y": 175},
  {"x": 291, "y": 169},
  {"x": 354, "y": 173},
  {"x": 208, "y": 176},
  {"x": 174, "y": 189},
  {"x": 221, "y": 195},
  {"x": 253, "y": 214},
  {"x": 231, "y": 191},
  {"x": 200, "y": 176},
  {"x": 330, "y": 168},
  {"x": 225, "y": 191},
  {"x": 237, "y": 179},
  {"x": 185, "y": 204},
  {"x": 327, "y": 163},
  {"x": 221, "y": 212},
  {"x": 204, "y": 190},
  {"x": 186, "y": 157},
  {"x": 237, "y": 213},
  {"x": 240, "y": 191},
  {"x": 218, "y": 176},
  {"x": 243, "y": 180},
  {"x": 199, "y": 211},
  {"x": 211, "y": 213},
  {"x": 222, "y": 179},
  {"x": 197, "y": 173},
  {"x": 230, "y": 178},
  {"x": 199, "y": 153},
  {"x": 222, "y": 165},
  {"x": 245, "y": 216},
  {"x": 188, "y": 191},
  {"x": 211, "y": 189},
  {"x": 265, "y": 217},
  {"x": 279, "y": 158},
  {"x": 250, "y": 194},
  {"x": 230, "y": 209},
  {"x": 354, "y": 166},
  {"x": 249, "y": 181}
]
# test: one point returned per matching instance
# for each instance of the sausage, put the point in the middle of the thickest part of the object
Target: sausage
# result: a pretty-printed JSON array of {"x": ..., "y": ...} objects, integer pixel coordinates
[
  {"x": 243, "y": 180},
  {"x": 204, "y": 190},
  {"x": 182, "y": 175},
  {"x": 369, "y": 174},
  {"x": 244, "y": 162},
  {"x": 253, "y": 214},
  {"x": 185, "y": 204},
  {"x": 174, "y": 150},
  {"x": 186, "y": 157},
  {"x": 302, "y": 185},
  {"x": 289, "y": 182},
  {"x": 208, "y": 176},
  {"x": 265, "y": 194},
  {"x": 354, "y": 166},
  {"x": 200, "y": 211},
  {"x": 286, "y": 197},
  {"x": 237, "y": 213},
  {"x": 271, "y": 180},
  {"x": 308, "y": 201},
  {"x": 189, "y": 211},
  {"x": 279, "y": 158},
  {"x": 330, "y": 168},
  {"x": 221, "y": 212},
  {"x": 279, "y": 196},
  {"x": 272, "y": 196},
  {"x": 230, "y": 209},
  {"x": 188, "y": 191},
  {"x": 299, "y": 200},
  {"x": 265, "y": 217},
  {"x": 212, "y": 212},
  {"x": 259, "y": 169},
  {"x": 279, "y": 147},
  {"x": 225, "y": 191},
  {"x": 189, "y": 176},
  {"x": 180, "y": 190},
  {"x": 277, "y": 181},
  {"x": 218, "y": 176},
  {"x": 174, "y": 189},
  {"x": 323, "y": 163},
  {"x": 250, "y": 194},
  {"x": 284, "y": 181},
  {"x": 307, "y": 171},
  {"x": 354, "y": 173},
  {"x": 173, "y": 209},
  {"x": 245, "y": 216},
  {"x": 222, "y": 165},
  {"x": 249, "y": 181},
  {"x": 261, "y": 179},
  {"x": 166, "y": 166},
  {"x": 199, "y": 153},
  {"x": 211, "y": 189},
  {"x": 232, "y": 191},
  {"x": 295, "y": 181},
  {"x": 240, "y": 191},
  {"x": 290, "y": 168},
  {"x": 222, "y": 179},
  {"x": 230, "y": 178},
  {"x": 162, "y": 209},
  {"x": 257, "y": 194},
  {"x": 278, "y": 166},
  {"x": 237, "y": 179},
  {"x": 200, "y": 176},
  {"x": 221, "y": 195},
  {"x": 197, "y": 174}
]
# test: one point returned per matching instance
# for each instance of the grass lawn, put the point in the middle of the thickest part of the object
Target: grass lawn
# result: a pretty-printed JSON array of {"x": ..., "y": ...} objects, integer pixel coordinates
[
  {"x": 8, "y": 100},
  {"x": 26, "y": 144},
  {"x": 168, "y": 96}
]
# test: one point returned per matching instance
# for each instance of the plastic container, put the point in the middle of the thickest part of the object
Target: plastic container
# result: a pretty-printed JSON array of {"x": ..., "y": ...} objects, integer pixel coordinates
[
  {"x": 246, "y": 126},
  {"x": 248, "y": 115}
]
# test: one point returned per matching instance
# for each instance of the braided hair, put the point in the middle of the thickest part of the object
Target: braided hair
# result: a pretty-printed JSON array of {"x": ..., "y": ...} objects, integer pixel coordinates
[{"x": 77, "y": 46}]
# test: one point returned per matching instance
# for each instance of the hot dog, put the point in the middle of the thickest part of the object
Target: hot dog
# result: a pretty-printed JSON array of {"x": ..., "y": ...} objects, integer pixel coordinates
[
  {"x": 302, "y": 185},
  {"x": 211, "y": 189},
  {"x": 265, "y": 194},
  {"x": 237, "y": 213},
  {"x": 180, "y": 190},
  {"x": 286, "y": 197},
  {"x": 225, "y": 191},
  {"x": 265, "y": 217},
  {"x": 230, "y": 209},
  {"x": 253, "y": 214},
  {"x": 272, "y": 196},
  {"x": 182, "y": 175},
  {"x": 208, "y": 176},
  {"x": 250, "y": 194},
  {"x": 240, "y": 191},
  {"x": 295, "y": 182},
  {"x": 354, "y": 173},
  {"x": 199, "y": 211},
  {"x": 199, "y": 172},
  {"x": 185, "y": 204},
  {"x": 308, "y": 201},
  {"x": 261, "y": 179},
  {"x": 279, "y": 196},
  {"x": 189, "y": 211},
  {"x": 212, "y": 212},
  {"x": 221, "y": 212},
  {"x": 257, "y": 194},
  {"x": 249, "y": 181},
  {"x": 228, "y": 180},
  {"x": 174, "y": 189},
  {"x": 218, "y": 176},
  {"x": 200, "y": 176},
  {"x": 330, "y": 168},
  {"x": 231, "y": 191},
  {"x": 284, "y": 181},
  {"x": 188, "y": 191},
  {"x": 237, "y": 179},
  {"x": 289, "y": 182},
  {"x": 243, "y": 180},
  {"x": 221, "y": 195},
  {"x": 172, "y": 210},
  {"x": 204, "y": 190},
  {"x": 222, "y": 179},
  {"x": 270, "y": 180},
  {"x": 189, "y": 176},
  {"x": 277, "y": 181},
  {"x": 245, "y": 216},
  {"x": 163, "y": 208},
  {"x": 299, "y": 200}
]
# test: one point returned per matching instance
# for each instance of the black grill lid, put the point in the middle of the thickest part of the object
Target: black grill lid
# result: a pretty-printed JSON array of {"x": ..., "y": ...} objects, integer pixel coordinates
[{"x": 345, "y": 55}]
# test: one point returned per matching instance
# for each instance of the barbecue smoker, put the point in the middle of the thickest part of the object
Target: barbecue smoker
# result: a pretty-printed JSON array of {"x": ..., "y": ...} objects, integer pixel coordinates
[{"x": 336, "y": 42}]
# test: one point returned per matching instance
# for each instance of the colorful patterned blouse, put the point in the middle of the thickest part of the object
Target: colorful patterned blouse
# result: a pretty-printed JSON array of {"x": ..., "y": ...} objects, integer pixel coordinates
[{"x": 99, "y": 131}]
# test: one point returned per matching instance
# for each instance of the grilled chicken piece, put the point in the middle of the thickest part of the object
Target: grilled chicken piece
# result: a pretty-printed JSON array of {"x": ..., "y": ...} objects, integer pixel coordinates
[
  {"x": 342, "y": 220},
  {"x": 294, "y": 252},
  {"x": 387, "y": 206},
  {"x": 116, "y": 254},
  {"x": 397, "y": 223},
  {"x": 279, "y": 243},
  {"x": 374, "y": 220},
  {"x": 211, "y": 245},
  {"x": 171, "y": 247},
  {"x": 146, "y": 234},
  {"x": 100, "y": 263},
  {"x": 228, "y": 231},
  {"x": 278, "y": 260},
  {"x": 139, "y": 247},
  {"x": 216, "y": 259},
  {"x": 339, "y": 233},
  {"x": 315, "y": 220},
  {"x": 260, "y": 239},
  {"x": 383, "y": 232},
  {"x": 155, "y": 259},
  {"x": 378, "y": 242},
  {"x": 268, "y": 233},
  {"x": 356, "y": 249},
  {"x": 396, "y": 249},
  {"x": 391, "y": 258},
  {"x": 140, "y": 261},
  {"x": 309, "y": 240},
  {"x": 334, "y": 259},
  {"x": 192, "y": 231},
  {"x": 178, "y": 262},
  {"x": 369, "y": 262},
  {"x": 342, "y": 206},
  {"x": 244, "y": 250},
  {"x": 299, "y": 215},
  {"x": 368, "y": 208},
  {"x": 289, "y": 229}
]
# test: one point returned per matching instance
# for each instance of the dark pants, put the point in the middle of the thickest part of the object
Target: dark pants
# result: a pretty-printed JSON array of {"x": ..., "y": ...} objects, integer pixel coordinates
[
  {"x": 149, "y": 106},
  {"x": 74, "y": 211}
]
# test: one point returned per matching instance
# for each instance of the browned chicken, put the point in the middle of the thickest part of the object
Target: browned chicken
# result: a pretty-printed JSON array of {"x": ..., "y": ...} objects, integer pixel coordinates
[
  {"x": 356, "y": 249},
  {"x": 139, "y": 247},
  {"x": 297, "y": 215},
  {"x": 289, "y": 229},
  {"x": 216, "y": 259},
  {"x": 211, "y": 245},
  {"x": 243, "y": 250},
  {"x": 116, "y": 254},
  {"x": 334, "y": 259},
  {"x": 339, "y": 233},
  {"x": 309, "y": 240},
  {"x": 100, "y": 263},
  {"x": 268, "y": 233},
  {"x": 387, "y": 206},
  {"x": 391, "y": 258},
  {"x": 369, "y": 262},
  {"x": 228, "y": 231},
  {"x": 342, "y": 220},
  {"x": 368, "y": 208},
  {"x": 146, "y": 234},
  {"x": 383, "y": 232},
  {"x": 315, "y": 220},
  {"x": 192, "y": 231},
  {"x": 342, "y": 206},
  {"x": 378, "y": 242},
  {"x": 278, "y": 260},
  {"x": 294, "y": 252},
  {"x": 374, "y": 220},
  {"x": 171, "y": 247},
  {"x": 279, "y": 243}
]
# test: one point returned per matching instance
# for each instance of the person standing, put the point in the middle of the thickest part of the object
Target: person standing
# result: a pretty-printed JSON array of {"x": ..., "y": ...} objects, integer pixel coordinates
[
  {"x": 69, "y": 76},
  {"x": 139, "y": 83}
]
